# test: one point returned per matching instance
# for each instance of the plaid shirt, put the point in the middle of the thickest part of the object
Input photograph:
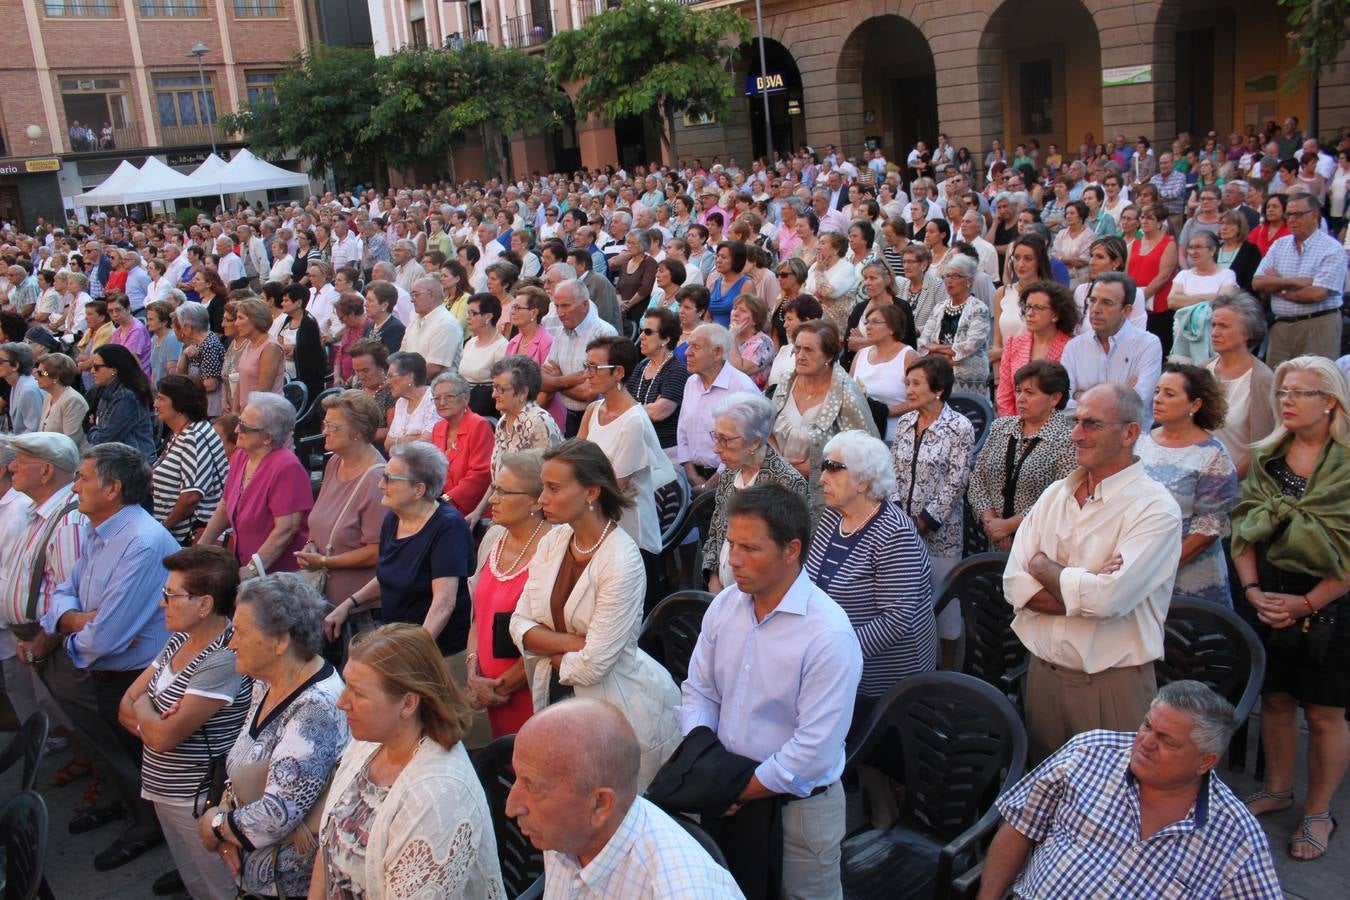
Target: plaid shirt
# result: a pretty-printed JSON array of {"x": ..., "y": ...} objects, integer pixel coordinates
[
  {"x": 1321, "y": 258},
  {"x": 1172, "y": 190},
  {"x": 1081, "y": 807}
]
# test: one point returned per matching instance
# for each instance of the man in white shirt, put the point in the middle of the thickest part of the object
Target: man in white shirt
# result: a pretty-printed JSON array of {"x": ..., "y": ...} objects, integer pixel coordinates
[
  {"x": 711, "y": 378},
  {"x": 176, "y": 264},
  {"x": 433, "y": 332},
  {"x": 565, "y": 367},
  {"x": 384, "y": 271},
  {"x": 490, "y": 249},
  {"x": 1114, "y": 350},
  {"x": 231, "y": 267},
  {"x": 407, "y": 269},
  {"x": 1091, "y": 575},
  {"x": 600, "y": 839},
  {"x": 972, "y": 223},
  {"x": 346, "y": 245}
]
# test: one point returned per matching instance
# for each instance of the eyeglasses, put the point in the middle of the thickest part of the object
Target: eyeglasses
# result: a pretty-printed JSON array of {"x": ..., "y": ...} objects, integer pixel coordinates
[
  {"x": 10, "y": 362},
  {"x": 1091, "y": 424},
  {"x": 832, "y": 465},
  {"x": 94, "y": 366},
  {"x": 592, "y": 368},
  {"x": 505, "y": 493},
  {"x": 1297, "y": 394},
  {"x": 385, "y": 478},
  {"x": 649, "y": 331},
  {"x": 1035, "y": 307},
  {"x": 169, "y": 595},
  {"x": 1297, "y": 213},
  {"x": 334, "y": 426},
  {"x": 722, "y": 440},
  {"x": 438, "y": 399}
]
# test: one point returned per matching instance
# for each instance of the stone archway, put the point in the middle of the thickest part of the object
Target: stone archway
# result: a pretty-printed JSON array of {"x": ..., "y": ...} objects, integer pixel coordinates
[
  {"x": 887, "y": 86},
  {"x": 787, "y": 113}
]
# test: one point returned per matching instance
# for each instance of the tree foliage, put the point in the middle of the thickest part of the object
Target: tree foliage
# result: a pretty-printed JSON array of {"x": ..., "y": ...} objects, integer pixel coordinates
[{"x": 650, "y": 58}]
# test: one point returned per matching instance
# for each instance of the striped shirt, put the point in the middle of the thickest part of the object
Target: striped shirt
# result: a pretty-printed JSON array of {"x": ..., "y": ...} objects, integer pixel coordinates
[
  {"x": 880, "y": 575},
  {"x": 1081, "y": 807},
  {"x": 63, "y": 549},
  {"x": 177, "y": 777},
  {"x": 1321, "y": 258},
  {"x": 193, "y": 462}
]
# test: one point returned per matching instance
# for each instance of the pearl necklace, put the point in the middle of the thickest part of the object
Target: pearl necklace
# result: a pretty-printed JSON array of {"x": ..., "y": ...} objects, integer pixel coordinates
[
  {"x": 650, "y": 383},
  {"x": 587, "y": 552},
  {"x": 867, "y": 518},
  {"x": 497, "y": 554}
]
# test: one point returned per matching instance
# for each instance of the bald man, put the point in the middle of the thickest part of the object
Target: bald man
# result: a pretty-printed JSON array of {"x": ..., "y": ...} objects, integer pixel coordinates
[{"x": 579, "y": 804}]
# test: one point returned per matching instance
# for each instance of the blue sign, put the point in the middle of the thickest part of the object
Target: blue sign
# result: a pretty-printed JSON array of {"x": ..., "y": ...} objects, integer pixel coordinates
[{"x": 768, "y": 83}]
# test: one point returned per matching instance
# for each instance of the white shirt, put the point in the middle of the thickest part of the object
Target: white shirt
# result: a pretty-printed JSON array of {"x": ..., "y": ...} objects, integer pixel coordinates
[
  {"x": 323, "y": 307},
  {"x": 231, "y": 268},
  {"x": 1134, "y": 354},
  {"x": 174, "y": 273},
  {"x": 437, "y": 336},
  {"x": 346, "y": 250},
  {"x": 1111, "y": 620},
  {"x": 419, "y": 421}
]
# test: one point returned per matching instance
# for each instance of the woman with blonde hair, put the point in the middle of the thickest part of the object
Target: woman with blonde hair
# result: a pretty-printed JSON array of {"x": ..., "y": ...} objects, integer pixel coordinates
[{"x": 406, "y": 814}]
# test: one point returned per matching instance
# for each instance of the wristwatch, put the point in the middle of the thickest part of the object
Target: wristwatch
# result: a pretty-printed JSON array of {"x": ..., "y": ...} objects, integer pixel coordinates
[{"x": 218, "y": 825}]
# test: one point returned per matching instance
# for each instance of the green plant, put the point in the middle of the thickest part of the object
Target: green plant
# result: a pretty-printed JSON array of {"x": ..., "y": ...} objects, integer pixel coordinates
[{"x": 187, "y": 216}]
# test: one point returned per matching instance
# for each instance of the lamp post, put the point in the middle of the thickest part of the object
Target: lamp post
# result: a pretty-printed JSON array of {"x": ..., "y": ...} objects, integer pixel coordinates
[
  {"x": 198, "y": 51},
  {"x": 764, "y": 94}
]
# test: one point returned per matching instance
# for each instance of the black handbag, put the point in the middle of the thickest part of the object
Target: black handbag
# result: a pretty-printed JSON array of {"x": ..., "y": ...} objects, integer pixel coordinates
[
  {"x": 1310, "y": 637},
  {"x": 502, "y": 645}
]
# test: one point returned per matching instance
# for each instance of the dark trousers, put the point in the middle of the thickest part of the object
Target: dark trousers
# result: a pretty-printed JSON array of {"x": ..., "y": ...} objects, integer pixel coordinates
[{"x": 90, "y": 700}]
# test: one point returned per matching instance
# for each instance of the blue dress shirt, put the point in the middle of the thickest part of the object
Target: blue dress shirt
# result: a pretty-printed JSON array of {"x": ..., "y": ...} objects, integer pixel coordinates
[
  {"x": 119, "y": 576},
  {"x": 1134, "y": 354},
  {"x": 779, "y": 690}
]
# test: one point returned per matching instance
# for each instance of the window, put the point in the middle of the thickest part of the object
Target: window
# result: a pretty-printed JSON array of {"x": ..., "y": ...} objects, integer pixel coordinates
[
  {"x": 81, "y": 8},
  {"x": 1037, "y": 80},
  {"x": 167, "y": 8},
  {"x": 97, "y": 112},
  {"x": 252, "y": 9},
  {"x": 180, "y": 100},
  {"x": 261, "y": 88},
  {"x": 419, "y": 33}
]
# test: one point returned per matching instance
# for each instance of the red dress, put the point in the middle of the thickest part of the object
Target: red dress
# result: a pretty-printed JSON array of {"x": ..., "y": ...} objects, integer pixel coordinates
[
  {"x": 493, "y": 596},
  {"x": 1144, "y": 268}
]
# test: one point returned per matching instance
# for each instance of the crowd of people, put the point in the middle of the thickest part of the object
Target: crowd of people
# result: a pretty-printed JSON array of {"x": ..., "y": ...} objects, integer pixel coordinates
[{"x": 303, "y": 503}]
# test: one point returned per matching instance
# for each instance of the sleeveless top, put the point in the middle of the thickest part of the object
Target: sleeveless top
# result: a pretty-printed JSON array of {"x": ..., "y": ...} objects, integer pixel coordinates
[
  {"x": 1144, "y": 268},
  {"x": 719, "y": 307},
  {"x": 248, "y": 366}
]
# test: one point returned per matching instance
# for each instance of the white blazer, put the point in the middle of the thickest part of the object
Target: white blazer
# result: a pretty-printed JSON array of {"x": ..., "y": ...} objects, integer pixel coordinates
[{"x": 605, "y": 607}]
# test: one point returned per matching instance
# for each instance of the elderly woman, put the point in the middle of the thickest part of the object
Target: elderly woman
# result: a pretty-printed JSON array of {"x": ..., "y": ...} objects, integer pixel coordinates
[
  {"x": 267, "y": 493},
  {"x": 877, "y": 289},
  {"x": 525, "y": 313},
  {"x": 589, "y": 645},
  {"x": 370, "y": 375},
  {"x": 657, "y": 383},
  {"x": 344, "y": 525},
  {"x": 637, "y": 276},
  {"x": 189, "y": 476},
  {"x": 25, "y": 397},
  {"x": 879, "y": 367},
  {"x": 484, "y": 345},
  {"x": 501, "y": 281},
  {"x": 1051, "y": 317},
  {"x": 1247, "y": 382},
  {"x": 692, "y": 300},
  {"x": 496, "y": 673},
  {"x": 832, "y": 280},
  {"x": 670, "y": 276},
  {"x": 63, "y": 409},
  {"x": 933, "y": 452},
  {"x": 124, "y": 400},
  {"x": 1073, "y": 240},
  {"x": 128, "y": 331},
  {"x": 405, "y": 813},
  {"x": 203, "y": 353},
  {"x": 816, "y": 402},
  {"x": 280, "y": 273},
  {"x": 97, "y": 330},
  {"x": 1290, "y": 546},
  {"x": 351, "y": 312},
  {"x": 867, "y": 556},
  {"x": 792, "y": 274},
  {"x": 958, "y": 330},
  {"x": 465, "y": 438},
  {"x": 165, "y": 348},
  {"x": 262, "y": 364},
  {"x": 1025, "y": 452},
  {"x": 414, "y": 410},
  {"x": 282, "y": 760},
  {"x": 523, "y": 424},
  {"x": 425, "y": 555},
  {"x": 1182, "y": 454},
  {"x": 381, "y": 300},
  {"x": 1193, "y": 289},
  {"x": 1236, "y": 253},
  {"x": 187, "y": 706},
  {"x": 920, "y": 288},
  {"x": 751, "y": 348},
  {"x": 740, "y": 437}
]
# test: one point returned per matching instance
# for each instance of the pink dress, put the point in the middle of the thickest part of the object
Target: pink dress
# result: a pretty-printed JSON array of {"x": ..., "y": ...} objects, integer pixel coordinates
[
  {"x": 1016, "y": 354},
  {"x": 493, "y": 597},
  {"x": 280, "y": 486},
  {"x": 537, "y": 350}
]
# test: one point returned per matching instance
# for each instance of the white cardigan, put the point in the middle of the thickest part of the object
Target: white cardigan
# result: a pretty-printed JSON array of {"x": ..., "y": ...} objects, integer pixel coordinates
[
  {"x": 605, "y": 607},
  {"x": 432, "y": 835}
]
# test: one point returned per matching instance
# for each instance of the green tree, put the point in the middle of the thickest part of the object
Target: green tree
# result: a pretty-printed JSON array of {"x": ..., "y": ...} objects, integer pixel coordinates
[
  {"x": 651, "y": 58},
  {"x": 1317, "y": 30},
  {"x": 322, "y": 111}
]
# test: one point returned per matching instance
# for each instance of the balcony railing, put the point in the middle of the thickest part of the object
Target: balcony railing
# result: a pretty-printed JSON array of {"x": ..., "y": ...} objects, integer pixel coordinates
[
  {"x": 178, "y": 135},
  {"x": 528, "y": 30}
]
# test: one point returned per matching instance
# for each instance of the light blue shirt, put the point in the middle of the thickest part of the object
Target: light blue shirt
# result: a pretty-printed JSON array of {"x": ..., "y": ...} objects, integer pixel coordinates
[
  {"x": 25, "y": 406},
  {"x": 779, "y": 690},
  {"x": 119, "y": 576},
  {"x": 1134, "y": 354},
  {"x": 1321, "y": 258},
  {"x": 138, "y": 282}
]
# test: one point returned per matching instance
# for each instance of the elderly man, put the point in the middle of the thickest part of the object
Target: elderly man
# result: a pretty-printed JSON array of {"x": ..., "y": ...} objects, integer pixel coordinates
[
  {"x": 231, "y": 267},
  {"x": 254, "y": 256},
  {"x": 138, "y": 282},
  {"x": 1090, "y": 577},
  {"x": 108, "y": 613},
  {"x": 1304, "y": 272},
  {"x": 176, "y": 263},
  {"x": 1171, "y": 184},
  {"x": 1113, "y": 349},
  {"x": 601, "y": 291},
  {"x": 403, "y": 308},
  {"x": 1115, "y": 814},
  {"x": 406, "y": 268},
  {"x": 614, "y": 248},
  {"x": 831, "y": 220},
  {"x": 346, "y": 245},
  {"x": 774, "y": 674},
  {"x": 98, "y": 266},
  {"x": 490, "y": 249},
  {"x": 374, "y": 246},
  {"x": 711, "y": 378},
  {"x": 600, "y": 839},
  {"x": 433, "y": 331},
  {"x": 972, "y": 225},
  {"x": 564, "y": 369},
  {"x": 25, "y": 397},
  {"x": 41, "y": 546}
]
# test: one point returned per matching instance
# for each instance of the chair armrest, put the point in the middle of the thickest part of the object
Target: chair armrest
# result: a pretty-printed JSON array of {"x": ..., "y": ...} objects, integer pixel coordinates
[
  {"x": 967, "y": 884},
  {"x": 964, "y": 841}
]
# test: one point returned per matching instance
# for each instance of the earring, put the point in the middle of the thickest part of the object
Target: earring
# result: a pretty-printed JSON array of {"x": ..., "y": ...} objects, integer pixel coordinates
[{"x": 590, "y": 506}]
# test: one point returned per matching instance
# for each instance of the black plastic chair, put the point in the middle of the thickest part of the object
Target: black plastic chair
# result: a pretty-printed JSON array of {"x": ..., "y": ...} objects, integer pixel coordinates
[
  {"x": 955, "y": 744},
  {"x": 973, "y": 539},
  {"x": 704, "y": 839},
  {"x": 671, "y": 631},
  {"x": 993, "y": 653},
  {"x": 1212, "y": 645},
  {"x": 28, "y": 744},
  {"x": 978, "y": 410},
  {"x": 534, "y": 891},
  {"x": 23, "y": 834},
  {"x": 699, "y": 516},
  {"x": 297, "y": 394},
  {"x": 672, "y": 509},
  {"x": 521, "y": 863}
]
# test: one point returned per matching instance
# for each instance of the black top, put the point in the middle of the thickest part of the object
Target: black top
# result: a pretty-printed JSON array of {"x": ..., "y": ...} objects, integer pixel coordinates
[
  {"x": 669, "y": 383},
  {"x": 406, "y": 567}
]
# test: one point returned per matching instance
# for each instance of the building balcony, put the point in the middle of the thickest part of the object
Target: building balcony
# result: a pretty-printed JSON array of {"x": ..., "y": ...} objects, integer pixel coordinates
[
  {"x": 182, "y": 135},
  {"x": 529, "y": 30},
  {"x": 132, "y": 137}
]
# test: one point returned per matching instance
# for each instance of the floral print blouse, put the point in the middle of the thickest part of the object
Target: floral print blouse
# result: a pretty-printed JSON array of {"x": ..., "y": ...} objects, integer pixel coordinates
[{"x": 931, "y": 473}]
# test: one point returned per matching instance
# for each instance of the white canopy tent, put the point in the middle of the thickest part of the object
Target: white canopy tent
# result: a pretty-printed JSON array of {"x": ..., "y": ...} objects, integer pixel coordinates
[
  {"x": 247, "y": 172},
  {"x": 206, "y": 174},
  {"x": 156, "y": 181},
  {"x": 109, "y": 193}
]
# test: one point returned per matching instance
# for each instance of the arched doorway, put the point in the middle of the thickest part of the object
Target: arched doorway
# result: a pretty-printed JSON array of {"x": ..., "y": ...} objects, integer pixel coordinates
[
  {"x": 564, "y": 149},
  {"x": 782, "y": 81},
  {"x": 887, "y": 87},
  {"x": 1039, "y": 82}
]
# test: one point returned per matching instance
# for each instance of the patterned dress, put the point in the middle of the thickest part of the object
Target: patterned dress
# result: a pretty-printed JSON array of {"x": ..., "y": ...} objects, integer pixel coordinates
[{"x": 530, "y": 429}]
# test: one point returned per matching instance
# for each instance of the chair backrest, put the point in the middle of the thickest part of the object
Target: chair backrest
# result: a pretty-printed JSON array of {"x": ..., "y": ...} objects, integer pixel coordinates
[
  {"x": 521, "y": 863},
  {"x": 309, "y": 415},
  {"x": 23, "y": 834},
  {"x": 699, "y": 516},
  {"x": 978, "y": 410},
  {"x": 1212, "y": 645},
  {"x": 297, "y": 394},
  {"x": 993, "y": 653},
  {"x": 672, "y": 508},
  {"x": 704, "y": 839},
  {"x": 28, "y": 744},
  {"x": 671, "y": 631},
  {"x": 955, "y": 743}
]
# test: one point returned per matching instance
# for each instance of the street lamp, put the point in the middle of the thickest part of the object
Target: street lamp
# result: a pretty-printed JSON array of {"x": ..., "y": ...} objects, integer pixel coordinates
[{"x": 198, "y": 51}]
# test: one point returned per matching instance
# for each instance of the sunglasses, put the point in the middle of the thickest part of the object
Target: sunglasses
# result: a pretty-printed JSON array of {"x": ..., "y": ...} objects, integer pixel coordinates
[
  {"x": 649, "y": 331},
  {"x": 832, "y": 465},
  {"x": 247, "y": 429}
]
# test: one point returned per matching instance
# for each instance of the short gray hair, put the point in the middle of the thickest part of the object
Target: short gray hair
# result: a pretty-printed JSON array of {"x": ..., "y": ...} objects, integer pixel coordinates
[
  {"x": 1212, "y": 716},
  {"x": 21, "y": 354},
  {"x": 436, "y": 287},
  {"x": 406, "y": 244},
  {"x": 718, "y": 336},
  {"x": 561, "y": 268},
  {"x": 276, "y": 416},
  {"x": 528, "y": 465},
  {"x": 524, "y": 372},
  {"x": 576, "y": 287},
  {"x": 963, "y": 265},
  {"x": 126, "y": 466},
  {"x": 1248, "y": 311},
  {"x": 174, "y": 297},
  {"x": 459, "y": 386},
  {"x": 426, "y": 465},
  {"x": 644, "y": 241},
  {"x": 751, "y": 414},
  {"x": 285, "y": 605},
  {"x": 1129, "y": 407},
  {"x": 193, "y": 315},
  {"x": 381, "y": 269},
  {"x": 867, "y": 458}
]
